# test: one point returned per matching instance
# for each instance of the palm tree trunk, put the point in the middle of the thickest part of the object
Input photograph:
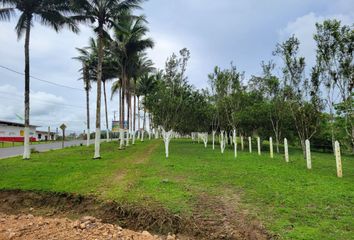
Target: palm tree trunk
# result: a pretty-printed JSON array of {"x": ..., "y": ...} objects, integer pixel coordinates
[
  {"x": 99, "y": 83},
  {"x": 27, "y": 152},
  {"x": 88, "y": 114},
  {"x": 134, "y": 116},
  {"x": 138, "y": 117},
  {"x": 106, "y": 111}
]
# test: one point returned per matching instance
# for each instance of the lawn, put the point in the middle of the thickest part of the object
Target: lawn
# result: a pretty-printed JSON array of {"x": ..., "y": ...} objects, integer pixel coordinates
[{"x": 291, "y": 201}]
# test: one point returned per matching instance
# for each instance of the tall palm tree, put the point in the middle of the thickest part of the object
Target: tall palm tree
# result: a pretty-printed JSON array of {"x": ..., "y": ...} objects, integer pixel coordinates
[
  {"x": 103, "y": 14},
  {"x": 85, "y": 59},
  {"x": 128, "y": 44},
  {"x": 109, "y": 70},
  {"x": 54, "y": 14}
]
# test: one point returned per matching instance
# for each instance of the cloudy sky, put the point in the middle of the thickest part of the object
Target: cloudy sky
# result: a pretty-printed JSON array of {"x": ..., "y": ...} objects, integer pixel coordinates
[{"x": 216, "y": 32}]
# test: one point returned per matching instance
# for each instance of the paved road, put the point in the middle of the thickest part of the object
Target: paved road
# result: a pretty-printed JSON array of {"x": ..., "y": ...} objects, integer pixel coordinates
[{"x": 16, "y": 151}]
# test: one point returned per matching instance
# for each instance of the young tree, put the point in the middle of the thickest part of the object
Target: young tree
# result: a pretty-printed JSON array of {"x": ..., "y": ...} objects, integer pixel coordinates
[
  {"x": 169, "y": 100},
  {"x": 54, "y": 14},
  {"x": 335, "y": 63},
  {"x": 301, "y": 94}
]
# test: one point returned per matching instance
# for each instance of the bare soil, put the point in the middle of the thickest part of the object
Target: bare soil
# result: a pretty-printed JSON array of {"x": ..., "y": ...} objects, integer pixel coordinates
[
  {"x": 213, "y": 218},
  {"x": 89, "y": 228}
]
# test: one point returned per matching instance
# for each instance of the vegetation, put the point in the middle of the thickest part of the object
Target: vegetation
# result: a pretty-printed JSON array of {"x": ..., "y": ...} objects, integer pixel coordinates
[{"x": 292, "y": 202}]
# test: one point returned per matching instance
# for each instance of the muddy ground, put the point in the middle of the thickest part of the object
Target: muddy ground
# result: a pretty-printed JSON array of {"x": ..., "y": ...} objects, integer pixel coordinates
[{"x": 61, "y": 216}]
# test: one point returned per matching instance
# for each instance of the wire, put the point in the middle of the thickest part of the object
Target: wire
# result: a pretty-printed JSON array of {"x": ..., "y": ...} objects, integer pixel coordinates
[
  {"x": 41, "y": 80},
  {"x": 44, "y": 102}
]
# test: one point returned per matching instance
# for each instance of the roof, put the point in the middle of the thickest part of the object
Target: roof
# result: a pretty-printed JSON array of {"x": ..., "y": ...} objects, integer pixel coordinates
[
  {"x": 7, "y": 123},
  {"x": 45, "y": 132}
]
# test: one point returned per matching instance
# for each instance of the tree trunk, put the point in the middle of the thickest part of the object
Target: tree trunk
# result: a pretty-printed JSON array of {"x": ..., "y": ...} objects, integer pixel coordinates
[
  {"x": 99, "y": 83},
  {"x": 144, "y": 121},
  {"x": 138, "y": 117},
  {"x": 134, "y": 114},
  {"x": 87, "y": 112},
  {"x": 27, "y": 152},
  {"x": 106, "y": 110}
]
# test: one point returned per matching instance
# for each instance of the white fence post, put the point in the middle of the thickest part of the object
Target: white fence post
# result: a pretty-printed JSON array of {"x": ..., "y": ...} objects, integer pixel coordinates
[
  {"x": 250, "y": 144},
  {"x": 308, "y": 154},
  {"x": 338, "y": 159},
  {"x": 286, "y": 150},
  {"x": 235, "y": 142},
  {"x": 242, "y": 146},
  {"x": 259, "y": 145},
  {"x": 271, "y": 147}
]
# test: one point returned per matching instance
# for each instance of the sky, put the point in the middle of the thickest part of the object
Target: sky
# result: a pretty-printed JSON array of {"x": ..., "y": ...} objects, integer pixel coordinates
[{"x": 244, "y": 32}]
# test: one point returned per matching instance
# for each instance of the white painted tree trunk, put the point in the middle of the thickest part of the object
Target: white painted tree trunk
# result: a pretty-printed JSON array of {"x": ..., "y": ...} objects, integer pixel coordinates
[
  {"x": 88, "y": 137},
  {"x": 222, "y": 142},
  {"x": 26, "y": 150},
  {"x": 205, "y": 139},
  {"x": 234, "y": 139},
  {"x": 150, "y": 134},
  {"x": 250, "y": 144},
  {"x": 286, "y": 150},
  {"x": 97, "y": 143},
  {"x": 156, "y": 133},
  {"x": 271, "y": 147},
  {"x": 259, "y": 145},
  {"x": 213, "y": 133},
  {"x": 166, "y": 138},
  {"x": 308, "y": 154},
  {"x": 107, "y": 135},
  {"x": 127, "y": 139},
  {"x": 138, "y": 134},
  {"x": 338, "y": 159},
  {"x": 142, "y": 135},
  {"x": 242, "y": 146},
  {"x": 121, "y": 136},
  {"x": 133, "y": 140}
]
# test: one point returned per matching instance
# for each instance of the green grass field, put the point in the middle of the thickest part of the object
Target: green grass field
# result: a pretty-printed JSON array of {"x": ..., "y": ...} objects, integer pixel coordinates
[{"x": 291, "y": 201}]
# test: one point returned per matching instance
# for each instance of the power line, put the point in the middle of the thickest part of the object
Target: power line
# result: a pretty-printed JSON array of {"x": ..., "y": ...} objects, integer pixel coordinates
[
  {"x": 44, "y": 102},
  {"x": 41, "y": 80}
]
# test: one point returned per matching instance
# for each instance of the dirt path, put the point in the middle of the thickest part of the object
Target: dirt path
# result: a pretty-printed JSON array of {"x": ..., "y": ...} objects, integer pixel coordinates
[
  {"x": 29, "y": 227},
  {"x": 137, "y": 158},
  {"x": 223, "y": 218}
]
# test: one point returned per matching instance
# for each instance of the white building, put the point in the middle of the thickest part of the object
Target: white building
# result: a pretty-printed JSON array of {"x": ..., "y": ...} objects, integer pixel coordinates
[
  {"x": 46, "y": 136},
  {"x": 14, "y": 132}
]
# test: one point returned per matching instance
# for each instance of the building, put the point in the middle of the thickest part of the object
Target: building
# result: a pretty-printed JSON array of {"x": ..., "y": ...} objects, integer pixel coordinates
[
  {"x": 14, "y": 132},
  {"x": 46, "y": 136}
]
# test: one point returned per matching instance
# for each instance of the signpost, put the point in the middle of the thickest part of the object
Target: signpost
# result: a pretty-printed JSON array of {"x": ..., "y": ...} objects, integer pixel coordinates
[{"x": 63, "y": 127}]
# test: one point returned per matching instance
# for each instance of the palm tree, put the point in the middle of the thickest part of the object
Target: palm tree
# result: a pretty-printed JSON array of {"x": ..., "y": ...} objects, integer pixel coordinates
[
  {"x": 109, "y": 70},
  {"x": 54, "y": 14},
  {"x": 128, "y": 44},
  {"x": 85, "y": 59},
  {"x": 104, "y": 14}
]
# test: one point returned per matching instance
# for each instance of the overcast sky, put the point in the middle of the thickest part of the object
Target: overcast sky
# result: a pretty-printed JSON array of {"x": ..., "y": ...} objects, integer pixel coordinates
[{"x": 216, "y": 32}]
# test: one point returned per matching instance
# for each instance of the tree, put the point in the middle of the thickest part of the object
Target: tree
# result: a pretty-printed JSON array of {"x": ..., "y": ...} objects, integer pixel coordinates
[
  {"x": 334, "y": 60},
  {"x": 85, "y": 59},
  {"x": 273, "y": 92},
  {"x": 129, "y": 44},
  {"x": 104, "y": 14},
  {"x": 301, "y": 94},
  {"x": 168, "y": 102},
  {"x": 54, "y": 14}
]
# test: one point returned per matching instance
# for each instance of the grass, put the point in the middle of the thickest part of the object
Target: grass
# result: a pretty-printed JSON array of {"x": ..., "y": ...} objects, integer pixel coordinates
[
  {"x": 291, "y": 201},
  {"x": 17, "y": 144}
]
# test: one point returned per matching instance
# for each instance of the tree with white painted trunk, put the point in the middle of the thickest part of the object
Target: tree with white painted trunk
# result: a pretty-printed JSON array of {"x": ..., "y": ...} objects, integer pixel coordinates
[
  {"x": 169, "y": 101},
  {"x": 234, "y": 140},
  {"x": 54, "y": 14},
  {"x": 259, "y": 145},
  {"x": 250, "y": 144},
  {"x": 302, "y": 94},
  {"x": 222, "y": 141}
]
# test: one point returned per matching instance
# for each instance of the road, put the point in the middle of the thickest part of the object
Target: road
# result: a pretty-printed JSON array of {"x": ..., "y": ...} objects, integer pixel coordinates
[{"x": 16, "y": 151}]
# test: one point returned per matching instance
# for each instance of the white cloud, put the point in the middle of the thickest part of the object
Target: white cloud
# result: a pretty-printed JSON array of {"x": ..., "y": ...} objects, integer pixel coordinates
[{"x": 304, "y": 29}]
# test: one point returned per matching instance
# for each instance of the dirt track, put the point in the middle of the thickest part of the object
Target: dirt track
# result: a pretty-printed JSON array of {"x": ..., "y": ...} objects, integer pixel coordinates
[{"x": 38, "y": 228}]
